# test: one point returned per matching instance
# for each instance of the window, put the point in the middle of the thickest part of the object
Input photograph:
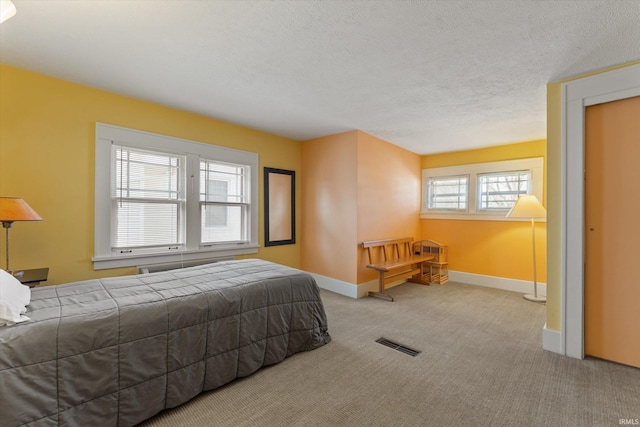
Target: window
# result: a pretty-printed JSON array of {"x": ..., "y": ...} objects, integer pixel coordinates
[
  {"x": 163, "y": 199},
  {"x": 223, "y": 202},
  {"x": 499, "y": 191},
  {"x": 147, "y": 199},
  {"x": 449, "y": 192},
  {"x": 481, "y": 190}
]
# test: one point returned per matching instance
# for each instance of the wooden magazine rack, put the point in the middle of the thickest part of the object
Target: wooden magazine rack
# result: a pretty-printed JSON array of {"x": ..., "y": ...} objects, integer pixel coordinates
[{"x": 435, "y": 270}]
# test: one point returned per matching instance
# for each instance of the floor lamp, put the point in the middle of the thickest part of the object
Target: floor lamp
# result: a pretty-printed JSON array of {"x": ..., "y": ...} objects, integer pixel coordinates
[
  {"x": 14, "y": 209},
  {"x": 528, "y": 206}
]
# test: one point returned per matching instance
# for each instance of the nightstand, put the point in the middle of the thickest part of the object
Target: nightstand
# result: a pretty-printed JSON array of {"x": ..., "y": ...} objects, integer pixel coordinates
[{"x": 32, "y": 277}]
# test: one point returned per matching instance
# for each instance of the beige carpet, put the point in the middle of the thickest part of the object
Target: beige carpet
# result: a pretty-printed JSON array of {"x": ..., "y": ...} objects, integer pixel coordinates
[{"x": 482, "y": 364}]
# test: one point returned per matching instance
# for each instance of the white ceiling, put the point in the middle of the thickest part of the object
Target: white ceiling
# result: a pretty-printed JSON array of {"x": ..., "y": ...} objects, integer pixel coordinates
[{"x": 429, "y": 76}]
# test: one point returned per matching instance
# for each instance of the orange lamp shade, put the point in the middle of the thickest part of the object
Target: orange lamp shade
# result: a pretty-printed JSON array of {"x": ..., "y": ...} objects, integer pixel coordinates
[{"x": 16, "y": 209}]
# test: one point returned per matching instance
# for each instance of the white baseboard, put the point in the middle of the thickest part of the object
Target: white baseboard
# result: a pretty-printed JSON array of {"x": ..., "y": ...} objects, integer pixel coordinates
[
  {"x": 349, "y": 289},
  {"x": 334, "y": 285},
  {"x": 514, "y": 285},
  {"x": 358, "y": 291},
  {"x": 551, "y": 340}
]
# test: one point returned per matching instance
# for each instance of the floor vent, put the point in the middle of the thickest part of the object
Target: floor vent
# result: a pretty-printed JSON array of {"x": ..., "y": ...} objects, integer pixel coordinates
[{"x": 399, "y": 347}]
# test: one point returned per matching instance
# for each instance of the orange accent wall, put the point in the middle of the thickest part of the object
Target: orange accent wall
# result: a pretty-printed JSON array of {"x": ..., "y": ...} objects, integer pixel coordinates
[
  {"x": 491, "y": 248},
  {"x": 388, "y": 195},
  {"x": 355, "y": 187},
  {"x": 329, "y": 206}
]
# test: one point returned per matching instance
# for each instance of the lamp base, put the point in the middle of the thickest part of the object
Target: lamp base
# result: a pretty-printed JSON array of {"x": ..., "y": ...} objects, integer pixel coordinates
[{"x": 533, "y": 298}]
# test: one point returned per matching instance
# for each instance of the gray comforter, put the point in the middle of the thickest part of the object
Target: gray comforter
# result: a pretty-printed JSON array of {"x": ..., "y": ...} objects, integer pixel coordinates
[{"x": 116, "y": 351}]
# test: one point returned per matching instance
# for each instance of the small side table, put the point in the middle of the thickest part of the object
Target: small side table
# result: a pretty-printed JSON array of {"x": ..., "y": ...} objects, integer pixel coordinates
[{"x": 33, "y": 277}]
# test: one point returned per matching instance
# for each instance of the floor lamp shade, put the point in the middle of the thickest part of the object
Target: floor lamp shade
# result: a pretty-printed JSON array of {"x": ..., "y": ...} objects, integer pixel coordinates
[
  {"x": 15, "y": 209},
  {"x": 528, "y": 206},
  {"x": 7, "y": 10}
]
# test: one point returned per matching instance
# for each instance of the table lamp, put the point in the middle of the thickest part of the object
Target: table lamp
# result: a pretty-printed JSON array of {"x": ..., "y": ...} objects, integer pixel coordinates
[{"x": 15, "y": 209}]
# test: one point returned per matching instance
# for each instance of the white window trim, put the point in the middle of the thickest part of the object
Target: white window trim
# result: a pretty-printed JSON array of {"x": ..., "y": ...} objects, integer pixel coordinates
[
  {"x": 534, "y": 164},
  {"x": 106, "y": 135},
  {"x": 427, "y": 191}
]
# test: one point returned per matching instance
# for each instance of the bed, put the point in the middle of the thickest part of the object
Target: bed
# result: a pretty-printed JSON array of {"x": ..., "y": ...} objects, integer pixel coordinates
[{"x": 116, "y": 351}]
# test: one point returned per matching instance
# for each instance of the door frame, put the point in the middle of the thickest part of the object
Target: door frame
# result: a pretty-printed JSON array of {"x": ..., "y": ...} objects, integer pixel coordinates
[{"x": 578, "y": 94}]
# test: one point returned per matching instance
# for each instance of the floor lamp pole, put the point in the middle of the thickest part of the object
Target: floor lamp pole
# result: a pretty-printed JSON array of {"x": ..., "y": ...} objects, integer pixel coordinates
[{"x": 534, "y": 297}]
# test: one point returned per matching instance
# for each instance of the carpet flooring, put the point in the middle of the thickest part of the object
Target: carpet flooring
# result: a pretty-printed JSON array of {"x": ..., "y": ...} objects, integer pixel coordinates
[{"x": 481, "y": 364}]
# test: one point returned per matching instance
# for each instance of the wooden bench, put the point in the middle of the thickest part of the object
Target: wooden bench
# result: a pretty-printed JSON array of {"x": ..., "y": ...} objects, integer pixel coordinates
[{"x": 394, "y": 260}]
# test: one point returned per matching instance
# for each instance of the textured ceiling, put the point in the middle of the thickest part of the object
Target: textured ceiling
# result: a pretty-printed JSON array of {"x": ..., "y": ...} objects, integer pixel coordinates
[{"x": 430, "y": 76}]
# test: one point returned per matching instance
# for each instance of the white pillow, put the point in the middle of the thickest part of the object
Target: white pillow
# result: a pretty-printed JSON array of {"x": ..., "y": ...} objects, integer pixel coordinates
[{"x": 14, "y": 298}]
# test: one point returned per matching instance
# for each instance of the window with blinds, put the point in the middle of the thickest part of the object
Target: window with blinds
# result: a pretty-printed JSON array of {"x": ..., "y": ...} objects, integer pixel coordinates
[
  {"x": 223, "y": 202},
  {"x": 148, "y": 199},
  {"x": 447, "y": 192},
  {"x": 164, "y": 199},
  {"x": 499, "y": 191}
]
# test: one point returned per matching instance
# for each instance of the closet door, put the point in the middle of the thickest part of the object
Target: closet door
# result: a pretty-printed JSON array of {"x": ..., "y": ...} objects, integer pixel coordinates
[{"x": 612, "y": 231}]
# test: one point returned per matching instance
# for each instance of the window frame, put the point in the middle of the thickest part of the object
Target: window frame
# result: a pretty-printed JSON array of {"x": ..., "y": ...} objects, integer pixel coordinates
[
  {"x": 535, "y": 165},
  {"x": 480, "y": 192},
  {"x": 242, "y": 203},
  {"x": 118, "y": 197},
  {"x": 429, "y": 186},
  {"x": 106, "y": 136}
]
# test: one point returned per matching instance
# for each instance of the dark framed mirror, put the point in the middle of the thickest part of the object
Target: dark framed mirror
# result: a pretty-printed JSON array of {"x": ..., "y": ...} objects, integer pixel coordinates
[{"x": 279, "y": 207}]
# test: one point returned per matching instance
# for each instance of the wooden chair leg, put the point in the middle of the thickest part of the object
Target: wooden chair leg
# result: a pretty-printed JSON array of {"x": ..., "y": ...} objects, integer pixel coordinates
[{"x": 380, "y": 293}]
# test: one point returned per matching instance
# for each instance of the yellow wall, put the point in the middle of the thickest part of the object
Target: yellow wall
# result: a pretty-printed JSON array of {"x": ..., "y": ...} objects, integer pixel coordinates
[
  {"x": 554, "y": 198},
  {"x": 47, "y": 144},
  {"x": 491, "y": 248}
]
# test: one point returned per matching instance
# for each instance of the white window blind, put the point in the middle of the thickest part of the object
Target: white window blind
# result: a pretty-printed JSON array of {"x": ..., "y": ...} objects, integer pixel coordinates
[
  {"x": 499, "y": 191},
  {"x": 448, "y": 192},
  {"x": 163, "y": 199},
  {"x": 214, "y": 215},
  {"x": 148, "y": 200},
  {"x": 224, "y": 202}
]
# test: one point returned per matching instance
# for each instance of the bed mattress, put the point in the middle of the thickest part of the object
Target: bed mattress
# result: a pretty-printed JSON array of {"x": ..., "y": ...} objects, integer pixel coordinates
[{"x": 118, "y": 350}]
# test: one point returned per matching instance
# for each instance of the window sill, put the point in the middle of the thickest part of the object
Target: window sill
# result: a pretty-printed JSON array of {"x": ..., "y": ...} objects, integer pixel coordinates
[
  {"x": 106, "y": 262},
  {"x": 474, "y": 216}
]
